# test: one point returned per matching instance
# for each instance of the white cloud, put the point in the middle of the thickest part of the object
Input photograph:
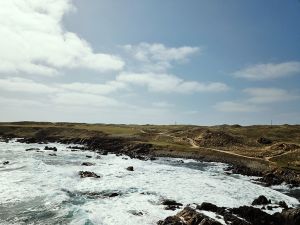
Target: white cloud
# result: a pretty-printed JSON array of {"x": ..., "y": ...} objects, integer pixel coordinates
[
  {"x": 83, "y": 99},
  {"x": 169, "y": 83},
  {"x": 257, "y": 100},
  {"x": 157, "y": 57},
  {"x": 162, "y": 104},
  {"x": 103, "y": 89},
  {"x": 231, "y": 106},
  {"x": 16, "y": 84},
  {"x": 269, "y": 95},
  {"x": 269, "y": 71},
  {"x": 32, "y": 40}
]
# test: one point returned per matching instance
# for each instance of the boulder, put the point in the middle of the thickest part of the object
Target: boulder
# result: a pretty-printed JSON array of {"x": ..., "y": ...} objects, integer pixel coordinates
[
  {"x": 208, "y": 207},
  {"x": 261, "y": 200},
  {"x": 5, "y": 162},
  {"x": 283, "y": 204}
]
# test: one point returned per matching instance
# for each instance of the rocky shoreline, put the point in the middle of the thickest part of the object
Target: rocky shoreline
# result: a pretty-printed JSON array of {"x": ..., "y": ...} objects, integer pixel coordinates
[
  {"x": 191, "y": 214},
  {"x": 146, "y": 151},
  {"x": 210, "y": 214}
]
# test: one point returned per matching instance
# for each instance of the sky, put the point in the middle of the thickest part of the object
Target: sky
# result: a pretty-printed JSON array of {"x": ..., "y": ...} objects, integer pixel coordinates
[{"x": 202, "y": 62}]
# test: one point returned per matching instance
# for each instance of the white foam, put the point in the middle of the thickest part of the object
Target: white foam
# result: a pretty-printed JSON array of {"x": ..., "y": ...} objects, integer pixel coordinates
[{"x": 32, "y": 174}]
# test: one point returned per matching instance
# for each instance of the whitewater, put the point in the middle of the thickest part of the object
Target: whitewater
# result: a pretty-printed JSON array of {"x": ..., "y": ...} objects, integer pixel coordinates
[{"x": 37, "y": 188}]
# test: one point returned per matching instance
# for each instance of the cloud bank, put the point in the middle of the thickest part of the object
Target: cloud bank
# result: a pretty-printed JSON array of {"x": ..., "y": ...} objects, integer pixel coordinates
[
  {"x": 33, "y": 40},
  {"x": 269, "y": 71}
]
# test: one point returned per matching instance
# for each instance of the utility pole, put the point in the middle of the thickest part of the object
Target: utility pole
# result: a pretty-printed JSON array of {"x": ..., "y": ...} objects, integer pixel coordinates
[{"x": 271, "y": 123}]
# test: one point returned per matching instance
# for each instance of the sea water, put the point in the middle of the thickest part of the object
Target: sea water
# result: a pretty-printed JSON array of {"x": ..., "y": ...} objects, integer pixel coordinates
[{"x": 36, "y": 188}]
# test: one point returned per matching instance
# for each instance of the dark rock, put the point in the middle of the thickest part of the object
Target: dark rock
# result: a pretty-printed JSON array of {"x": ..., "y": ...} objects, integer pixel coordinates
[
  {"x": 5, "y": 162},
  {"x": 84, "y": 174},
  {"x": 136, "y": 213},
  {"x": 172, "y": 207},
  {"x": 261, "y": 200},
  {"x": 256, "y": 216},
  {"x": 208, "y": 207},
  {"x": 236, "y": 169},
  {"x": 87, "y": 164},
  {"x": 192, "y": 217},
  {"x": 130, "y": 168},
  {"x": 170, "y": 202},
  {"x": 52, "y": 154},
  {"x": 50, "y": 148},
  {"x": 264, "y": 141},
  {"x": 271, "y": 179},
  {"x": 114, "y": 194},
  {"x": 283, "y": 204},
  {"x": 171, "y": 220},
  {"x": 88, "y": 156},
  {"x": 76, "y": 147},
  {"x": 291, "y": 216},
  {"x": 32, "y": 149}
]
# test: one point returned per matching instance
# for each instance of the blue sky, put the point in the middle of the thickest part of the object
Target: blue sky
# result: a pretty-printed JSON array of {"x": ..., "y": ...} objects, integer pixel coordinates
[{"x": 139, "y": 61}]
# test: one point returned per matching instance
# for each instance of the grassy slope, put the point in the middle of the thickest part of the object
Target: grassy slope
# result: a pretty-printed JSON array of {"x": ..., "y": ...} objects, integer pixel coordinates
[{"x": 173, "y": 139}]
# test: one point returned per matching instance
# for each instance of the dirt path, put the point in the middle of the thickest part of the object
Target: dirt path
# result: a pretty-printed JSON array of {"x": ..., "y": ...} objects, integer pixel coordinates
[{"x": 195, "y": 145}]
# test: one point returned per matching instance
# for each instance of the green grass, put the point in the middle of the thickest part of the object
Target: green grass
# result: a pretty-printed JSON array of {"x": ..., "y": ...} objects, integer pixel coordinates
[{"x": 158, "y": 136}]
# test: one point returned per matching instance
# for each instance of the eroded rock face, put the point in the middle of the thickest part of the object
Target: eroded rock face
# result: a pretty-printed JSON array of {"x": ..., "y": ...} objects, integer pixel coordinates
[
  {"x": 84, "y": 174},
  {"x": 291, "y": 216}
]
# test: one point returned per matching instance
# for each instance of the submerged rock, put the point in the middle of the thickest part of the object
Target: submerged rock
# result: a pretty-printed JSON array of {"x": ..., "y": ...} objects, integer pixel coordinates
[
  {"x": 171, "y": 204},
  {"x": 32, "y": 149},
  {"x": 87, "y": 164},
  {"x": 50, "y": 148},
  {"x": 5, "y": 162},
  {"x": 52, "y": 154},
  {"x": 84, "y": 174},
  {"x": 136, "y": 213},
  {"x": 130, "y": 168}
]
